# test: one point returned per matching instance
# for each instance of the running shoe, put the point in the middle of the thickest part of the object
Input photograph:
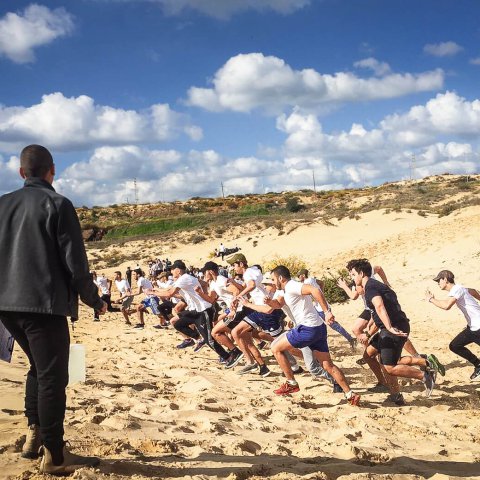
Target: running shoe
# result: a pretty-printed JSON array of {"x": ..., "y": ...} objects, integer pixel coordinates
[
  {"x": 354, "y": 400},
  {"x": 160, "y": 326},
  {"x": 199, "y": 345},
  {"x": 287, "y": 389},
  {"x": 361, "y": 361},
  {"x": 235, "y": 357},
  {"x": 476, "y": 373},
  {"x": 434, "y": 363},
  {"x": 297, "y": 370},
  {"x": 337, "y": 388},
  {"x": 222, "y": 361},
  {"x": 264, "y": 371},
  {"x": 188, "y": 342},
  {"x": 261, "y": 345},
  {"x": 429, "y": 381},
  {"x": 353, "y": 343},
  {"x": 248, "y": 369},
  {"x": 139, "y": 325},
  {"x": 397, "y": 399}
]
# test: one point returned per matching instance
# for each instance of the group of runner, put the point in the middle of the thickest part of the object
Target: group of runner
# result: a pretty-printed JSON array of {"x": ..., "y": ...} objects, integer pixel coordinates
[{"x": 236, "y": 314}]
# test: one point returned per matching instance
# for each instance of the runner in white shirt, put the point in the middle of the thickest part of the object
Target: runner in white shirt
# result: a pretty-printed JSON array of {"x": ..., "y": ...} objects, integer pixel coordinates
[
  {"x": 150, "y": 301},
  {"x": 310, "y": 331},
  {"x": 104, "y": 285},
  {"x": 466, "y": 300},
  {"x": 126, "y": 296},
  {"x": 242, "y": 333},
  {"x": 199, "y": 313},
  {"x": 220, "y": 290}
]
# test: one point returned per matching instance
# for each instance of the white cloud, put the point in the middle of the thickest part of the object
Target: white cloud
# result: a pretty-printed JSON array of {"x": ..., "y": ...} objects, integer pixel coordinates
[
  {"x": 9, "y": 174},
  {"x": 250, "y": 81},
  {"x": 72, "y": 123},
  {"x": 443, "y": 49},
  {"x": 224, "y": 9},
  {"x": 443, "y": 133},
  {"x": 380, "y": 69},
  {"x": 21, "y": 33},
  {"x": 475, "y": 61}
]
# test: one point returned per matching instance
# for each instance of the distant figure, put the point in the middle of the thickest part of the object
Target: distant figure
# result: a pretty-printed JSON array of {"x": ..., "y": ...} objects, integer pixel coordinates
[
  {"x": 221, "y": 250},
  {"x": 46, "y": 265},
  {"x": 128, "y": 274}
]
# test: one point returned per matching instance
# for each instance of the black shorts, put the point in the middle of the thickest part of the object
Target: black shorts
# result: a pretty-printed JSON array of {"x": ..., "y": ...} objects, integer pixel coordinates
[
  {"x": 389, "y": 346},
  {"x": 366, "y": 315},
  {"x": 231, "y": 324}
]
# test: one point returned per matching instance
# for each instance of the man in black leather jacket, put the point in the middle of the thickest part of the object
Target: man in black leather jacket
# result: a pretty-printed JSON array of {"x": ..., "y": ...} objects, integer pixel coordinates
[{"x": 44, "y": 259}]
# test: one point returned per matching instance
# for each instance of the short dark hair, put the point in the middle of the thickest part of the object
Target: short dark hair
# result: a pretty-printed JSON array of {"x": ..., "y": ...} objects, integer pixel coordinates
[
  {"x": 361, "y": 265},
  {"x": 35, "y": 161},
  {"x": 117, "y": 272},
  {"x": 283, "y": 271}
]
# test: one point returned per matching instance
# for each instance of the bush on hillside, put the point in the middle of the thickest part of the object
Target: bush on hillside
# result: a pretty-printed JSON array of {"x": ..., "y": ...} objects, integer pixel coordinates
[
  {"x": 292, "y": 262},
  {"x": 333, "y": 293}
]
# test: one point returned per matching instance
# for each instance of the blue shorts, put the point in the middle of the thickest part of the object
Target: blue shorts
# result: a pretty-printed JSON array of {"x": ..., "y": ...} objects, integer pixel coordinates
[
  {"x": 313, "y": 337},
  {"x": 271, "y": 323},
  {"x": 152, "y": 303}
]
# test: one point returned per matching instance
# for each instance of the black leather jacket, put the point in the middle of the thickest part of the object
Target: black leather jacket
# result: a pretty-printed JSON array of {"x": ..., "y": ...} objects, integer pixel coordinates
[{"x": 42, "y": 256}]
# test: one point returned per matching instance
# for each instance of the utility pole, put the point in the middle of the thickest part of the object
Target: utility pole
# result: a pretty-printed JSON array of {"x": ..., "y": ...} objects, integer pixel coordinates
[
  {"x": 314, "y": 186},
  {"x": 412, "y": 167},
  {"x": 135, "y": 190},
  {"x": 223, "y": 193}
]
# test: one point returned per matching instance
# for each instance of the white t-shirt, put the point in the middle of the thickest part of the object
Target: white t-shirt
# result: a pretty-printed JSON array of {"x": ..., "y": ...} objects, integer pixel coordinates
[
  {"x": 187, "y": 284},
  {"x": 219, "y": 286},
  {"x": 145, "y": 284},
  {"x": 468, "y": 305},
  {"x": 286, "y": 309},
  {"x": 301, "y": 306},
  {"x": 102, "y": 283},
  {"x": 313, "y": 282},
  {"x": 259, "y": 293},
  {"x": 122, "y": 286}
]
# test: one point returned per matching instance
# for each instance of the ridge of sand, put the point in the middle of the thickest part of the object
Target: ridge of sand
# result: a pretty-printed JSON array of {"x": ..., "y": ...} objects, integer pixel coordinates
[{"x": 152, "y": 411}]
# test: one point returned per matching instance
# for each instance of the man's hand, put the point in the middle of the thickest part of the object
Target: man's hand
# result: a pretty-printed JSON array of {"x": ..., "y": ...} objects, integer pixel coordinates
[
  {"x": 363, "y": 339},
  {"x": 397, "y": 332},
  {"x": 428, "y": 295},
  {"x": 329, "y": 317},
  {"x": 103, "y": 309},
  {"x": 342, "y": 283}
]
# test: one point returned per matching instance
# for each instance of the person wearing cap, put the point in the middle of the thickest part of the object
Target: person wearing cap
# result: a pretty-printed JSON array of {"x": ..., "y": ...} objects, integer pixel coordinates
[
  {"x": 466, "y": 301},
  {"x": 393, "y": 329},
  {"x": 242, "y": 333},
  {"x": 307, "y": 280},
  {"x": 44, "y": 259},
  {"x": 221, "y": 290},
  {"x": 199, "y": 313}
]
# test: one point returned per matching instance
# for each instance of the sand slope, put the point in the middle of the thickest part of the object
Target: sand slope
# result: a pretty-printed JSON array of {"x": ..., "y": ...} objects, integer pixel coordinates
[{"x": 151, "y": 411}]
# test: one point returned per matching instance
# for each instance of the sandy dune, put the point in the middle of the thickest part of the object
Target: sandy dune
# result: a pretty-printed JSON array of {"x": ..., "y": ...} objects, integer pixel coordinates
[{"x": 151, "y": 411}]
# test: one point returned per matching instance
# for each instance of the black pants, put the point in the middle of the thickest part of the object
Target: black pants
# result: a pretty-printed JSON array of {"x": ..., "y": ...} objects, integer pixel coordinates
[
  {"x": 45, "y": 339},
  {"x": 203, "y": 322},
  {"x": 465, "y": 337}
]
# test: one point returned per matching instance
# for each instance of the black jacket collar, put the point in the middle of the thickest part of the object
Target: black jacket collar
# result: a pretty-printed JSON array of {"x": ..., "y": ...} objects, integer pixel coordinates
[{"x": 37, "y": 182}]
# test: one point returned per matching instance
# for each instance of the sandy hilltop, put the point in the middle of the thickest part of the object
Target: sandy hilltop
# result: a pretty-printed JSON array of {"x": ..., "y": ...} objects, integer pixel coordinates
[{"x": 151, "y": 411}]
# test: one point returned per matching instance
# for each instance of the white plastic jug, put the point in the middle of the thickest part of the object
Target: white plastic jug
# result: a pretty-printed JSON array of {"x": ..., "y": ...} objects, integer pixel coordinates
[{"x": 76, "y": 363}]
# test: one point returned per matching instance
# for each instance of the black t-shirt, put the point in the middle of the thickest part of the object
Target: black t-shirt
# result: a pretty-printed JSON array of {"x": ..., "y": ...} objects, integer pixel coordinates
[{"x": 398, "y": 319}]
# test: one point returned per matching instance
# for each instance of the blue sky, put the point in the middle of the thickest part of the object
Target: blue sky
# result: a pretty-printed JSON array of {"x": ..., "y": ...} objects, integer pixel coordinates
[{"x": 258, "y": 94}]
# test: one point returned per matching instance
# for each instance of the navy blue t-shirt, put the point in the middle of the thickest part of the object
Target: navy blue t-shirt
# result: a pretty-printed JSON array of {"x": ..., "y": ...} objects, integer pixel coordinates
[{"x": 398, "y": 319}]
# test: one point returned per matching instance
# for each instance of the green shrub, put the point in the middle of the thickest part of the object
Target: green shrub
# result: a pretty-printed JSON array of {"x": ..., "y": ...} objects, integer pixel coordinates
[
  {"x": 333, "y": 293},
  {"x": 294, "y": 205},
  {"x": 292, "y": 262}
]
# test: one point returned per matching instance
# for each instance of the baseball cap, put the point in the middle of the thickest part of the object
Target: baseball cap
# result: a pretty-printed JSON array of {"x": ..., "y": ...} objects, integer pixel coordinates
[
  {"x": 237, "y": 258},
  {"x": 178, "y": 264},
  {"x": 445, "y": 274},
  {"x": 267, "y": 279}
]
